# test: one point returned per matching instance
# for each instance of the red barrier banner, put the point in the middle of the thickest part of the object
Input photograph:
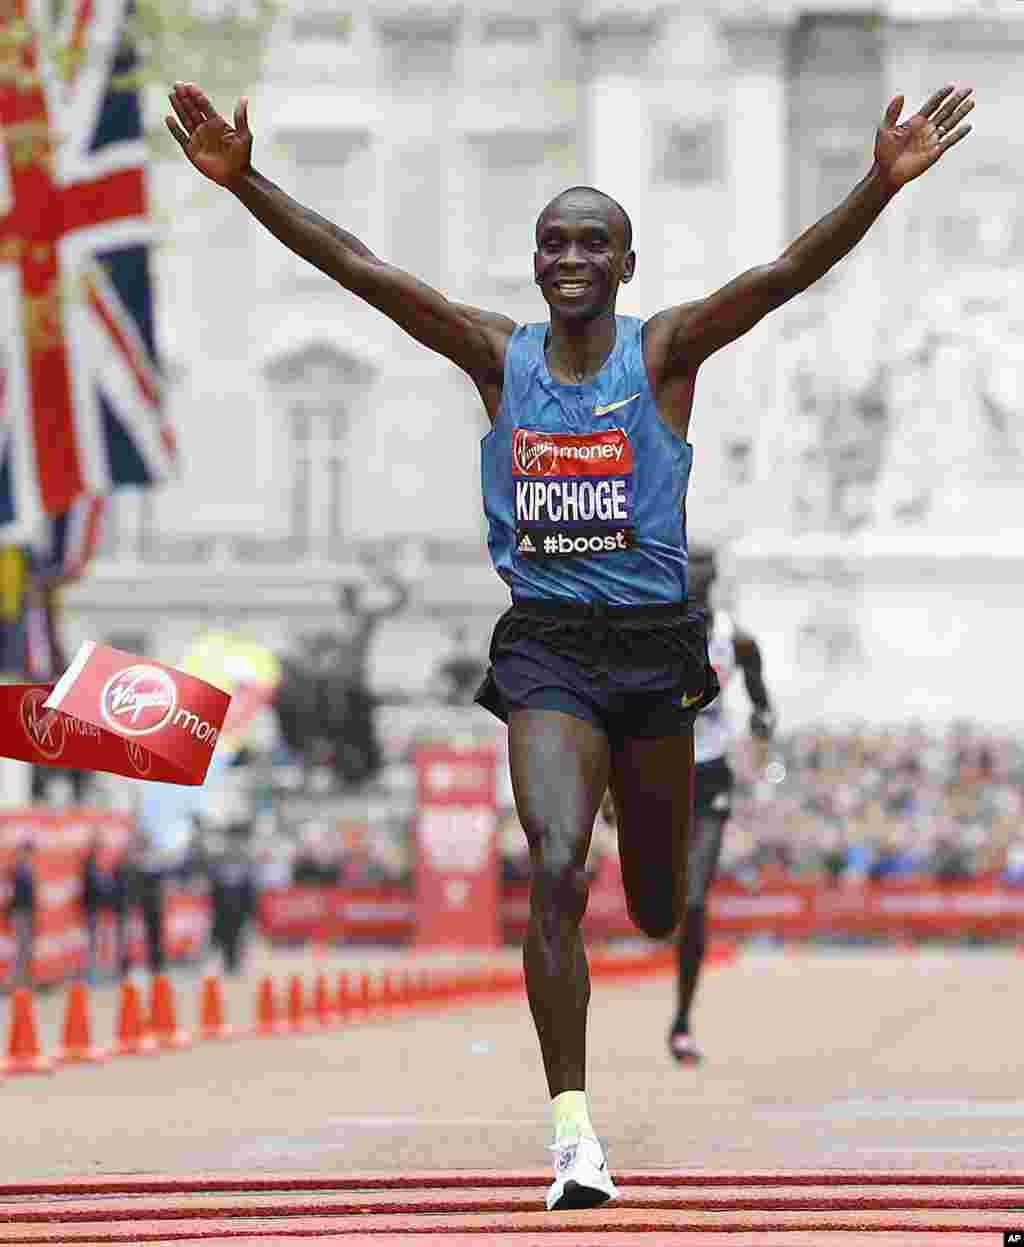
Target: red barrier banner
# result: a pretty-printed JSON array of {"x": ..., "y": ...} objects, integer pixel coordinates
[
  {"x": 188, "y": 919},
  {"x": 349, "y": 915},
  {"x": 61, "y": 840},
  {"x": 112, "y": 711},
  {"x": 456, "y": 848},
  {"x": 60, "y": 843},
  {"x": 794, "y": 911},
  {"x": 911, "y": 908}
]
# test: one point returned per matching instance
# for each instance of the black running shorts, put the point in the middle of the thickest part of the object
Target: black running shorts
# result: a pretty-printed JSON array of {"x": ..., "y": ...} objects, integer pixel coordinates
[{"x": 632, "y": 671}]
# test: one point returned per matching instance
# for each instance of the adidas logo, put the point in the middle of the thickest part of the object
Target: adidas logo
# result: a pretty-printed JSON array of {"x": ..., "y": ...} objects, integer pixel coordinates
[{"x": 526, "y": 546}]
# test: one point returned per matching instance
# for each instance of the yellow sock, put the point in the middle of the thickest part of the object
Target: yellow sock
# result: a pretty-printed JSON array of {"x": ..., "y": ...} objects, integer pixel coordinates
[{"x": 571, "y": 1116}]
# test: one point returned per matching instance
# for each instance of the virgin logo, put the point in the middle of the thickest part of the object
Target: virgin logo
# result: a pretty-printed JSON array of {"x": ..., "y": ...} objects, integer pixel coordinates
[
  {"x": 532, "y": 456},
  {"x": 45, "y": 729},
  {"x": 138, "y": 700},
  {"x": 571, "y": 454},
  {"x": 139, "y": 756}
]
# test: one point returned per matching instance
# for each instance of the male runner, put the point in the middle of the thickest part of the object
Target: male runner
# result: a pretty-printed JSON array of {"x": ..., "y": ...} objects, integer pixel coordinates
[
  {"x": 729, "y": 647},
  {"x": 600, "y": 665}
]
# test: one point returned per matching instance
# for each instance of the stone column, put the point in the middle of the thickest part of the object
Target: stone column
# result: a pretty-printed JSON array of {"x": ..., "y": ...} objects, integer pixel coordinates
[
  {"x": 417, "y": 442},
  {"x": 757, "y": 138},
  {"x": 416, "y": 50},
  {"x": 748, "y": 395},
  {"x": 618, "y": 44},
  {"x": 514, "y": 145}
]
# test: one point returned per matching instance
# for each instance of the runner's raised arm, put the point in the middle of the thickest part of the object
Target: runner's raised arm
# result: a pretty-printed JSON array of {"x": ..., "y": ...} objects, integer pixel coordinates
[{"x": 471, "y": 338}]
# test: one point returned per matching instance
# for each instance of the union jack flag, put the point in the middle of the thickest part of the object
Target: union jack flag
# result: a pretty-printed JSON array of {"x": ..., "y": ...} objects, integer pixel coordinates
[
  {"x": 69, "y": 540},
  {"x": 31, "y": 578},
  {"x": 80, "y": 407}
]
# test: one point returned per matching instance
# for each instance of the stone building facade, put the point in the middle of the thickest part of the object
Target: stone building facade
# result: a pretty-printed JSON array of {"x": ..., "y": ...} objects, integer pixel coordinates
[{"x": 873, "y": 423}]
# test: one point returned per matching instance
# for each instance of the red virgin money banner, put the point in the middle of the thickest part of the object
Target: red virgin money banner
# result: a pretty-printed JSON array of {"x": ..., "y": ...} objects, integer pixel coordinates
[
  {"x": 112, "y": 711},
  {"x": 60, "y": 945},
  {"x": 457, "y": 874}
]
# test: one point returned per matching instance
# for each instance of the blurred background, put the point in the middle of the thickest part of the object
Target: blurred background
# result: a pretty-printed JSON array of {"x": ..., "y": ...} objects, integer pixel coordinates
[{"x": 278, "y": 491}]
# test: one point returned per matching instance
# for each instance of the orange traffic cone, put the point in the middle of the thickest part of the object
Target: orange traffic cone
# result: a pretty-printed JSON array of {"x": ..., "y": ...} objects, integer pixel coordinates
[
  {"x": 444, "y": 987},
  {"x": 77, "y": 1048},
  {"x": 323, "y": 1007},
  {"x": 438, "y": 987},
  {"x": 211, "y": 1013},
  {"x": 721, "y": 952},
  {"x": 430, "y": 988},
  {"x": 363, "y": 996},
  {"x": 500, "y": 982},
  {"x": 406, "y": 994},
  {"x": 133, "y": 1035},
  {"x": 267, "y": 1022},
  {"x": 296, "y": 1005},
  {"x": 346, "y": 1005},
  {"x": 23, "y": 1055},
  {"x": 433, "y": 988},
  {"x": 414, "y": 988},
  {"x": 392, "y": 991},
  {"x": 377, "y": 994},
  {"x": 162, "y": 1019}
]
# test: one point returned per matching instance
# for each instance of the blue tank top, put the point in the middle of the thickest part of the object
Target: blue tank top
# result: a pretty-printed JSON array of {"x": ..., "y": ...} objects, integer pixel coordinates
[{"x": 584, "y": 486}]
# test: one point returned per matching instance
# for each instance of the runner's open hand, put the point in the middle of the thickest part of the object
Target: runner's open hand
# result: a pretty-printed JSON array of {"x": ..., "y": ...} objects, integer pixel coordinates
[
  {"x": 219, "y": 151},
  {"x": 904, "y": 152}
]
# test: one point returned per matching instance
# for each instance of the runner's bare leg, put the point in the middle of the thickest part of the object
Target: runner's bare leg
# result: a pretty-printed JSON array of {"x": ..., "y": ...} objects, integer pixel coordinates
[
  {"x": 559, "y": 770},
  {"x": 652, "y": 784}
]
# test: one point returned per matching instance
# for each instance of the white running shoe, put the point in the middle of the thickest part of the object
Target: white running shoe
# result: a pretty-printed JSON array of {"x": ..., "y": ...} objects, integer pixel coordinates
[
  {"x": 582, "y": 1179},
  {"x": 684, "y": 1048}
]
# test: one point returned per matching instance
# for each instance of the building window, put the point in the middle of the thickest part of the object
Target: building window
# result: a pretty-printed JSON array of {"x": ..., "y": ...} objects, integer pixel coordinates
[
  {"x": 321, "y": 22},
  {"x": 511, "y": 30},
  {"x": 318, "y": 467},
  {"x": 686, "y": 154},
  {"x": 318, "y": 382},
  {"x": 515, "y": 167}
]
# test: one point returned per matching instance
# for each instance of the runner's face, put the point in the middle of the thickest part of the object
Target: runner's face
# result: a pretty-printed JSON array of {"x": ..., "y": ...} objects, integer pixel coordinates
[{"x": 581, "y": 257}]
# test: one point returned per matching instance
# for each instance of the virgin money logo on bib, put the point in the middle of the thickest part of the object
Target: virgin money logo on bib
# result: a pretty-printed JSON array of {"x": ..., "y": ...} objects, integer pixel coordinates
[
  {"x": 571, "y": 454},
  {"x": 44, "y": 728},
  {"x": 139, "y": 700}
]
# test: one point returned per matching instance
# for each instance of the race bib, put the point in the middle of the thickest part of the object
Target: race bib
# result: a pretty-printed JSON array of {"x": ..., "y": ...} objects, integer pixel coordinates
[
  {"x": 112, "y": 711},
  {"x": 573, "y": 493}
]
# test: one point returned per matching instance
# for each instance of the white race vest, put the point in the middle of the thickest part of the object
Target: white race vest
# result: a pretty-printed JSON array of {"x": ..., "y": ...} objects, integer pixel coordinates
[{"x": 712, "y": 730}]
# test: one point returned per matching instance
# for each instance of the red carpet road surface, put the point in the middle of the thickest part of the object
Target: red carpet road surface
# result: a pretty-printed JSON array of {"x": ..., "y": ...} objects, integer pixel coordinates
[
  {"x": 848, "y": 1097},
  {"x": 676, "y": 1208}
]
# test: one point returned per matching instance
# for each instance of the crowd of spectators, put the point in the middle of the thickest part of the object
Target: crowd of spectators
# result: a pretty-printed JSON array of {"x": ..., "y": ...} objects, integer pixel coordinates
[
  {"x": 832, "y": 804},
  {"x": 874, "y": 803},
  {"x": 835, "y": 805}
]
